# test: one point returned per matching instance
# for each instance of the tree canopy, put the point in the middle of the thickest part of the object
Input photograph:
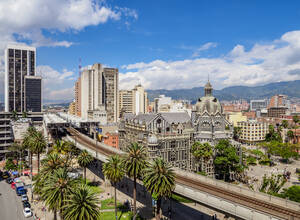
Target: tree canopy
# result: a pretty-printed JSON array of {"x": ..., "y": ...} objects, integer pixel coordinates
[{"x": 226, "y": 159}]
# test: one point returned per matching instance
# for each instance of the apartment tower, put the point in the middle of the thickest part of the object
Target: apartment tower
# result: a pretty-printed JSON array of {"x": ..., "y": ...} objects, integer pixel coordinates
[
  {"x": 133, "y": 101},
  {"x": 20, "y": 62},
  {"x": 97, "y": 92}
]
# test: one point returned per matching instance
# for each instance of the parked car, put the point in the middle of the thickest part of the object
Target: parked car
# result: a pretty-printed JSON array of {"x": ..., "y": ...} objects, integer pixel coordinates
[
  {"x": 20, "y": 189},
  {"x": 26, "y": 204},
  {"x": 27, "y": 212},
  {"x": 9, "y": 180},
  {"x": 24, "y": 198}
]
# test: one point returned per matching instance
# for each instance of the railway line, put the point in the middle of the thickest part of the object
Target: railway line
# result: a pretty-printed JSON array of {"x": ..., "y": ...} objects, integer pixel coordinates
[{"x": 229, "y": 195}]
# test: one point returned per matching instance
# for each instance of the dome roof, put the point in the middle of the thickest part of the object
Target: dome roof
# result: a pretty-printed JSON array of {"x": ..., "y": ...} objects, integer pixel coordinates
[{"x": 208, "y": 103}]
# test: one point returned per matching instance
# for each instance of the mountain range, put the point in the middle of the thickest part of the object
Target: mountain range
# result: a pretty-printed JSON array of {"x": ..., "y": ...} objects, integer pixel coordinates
[{"x": 290, "y": 88}]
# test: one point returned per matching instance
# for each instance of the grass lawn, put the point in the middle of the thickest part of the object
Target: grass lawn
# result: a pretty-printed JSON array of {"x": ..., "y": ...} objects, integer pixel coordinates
[
  {"x": 111, "y": 216},
  {"x": 94, "y": 186},
  {"x": 110, "y": 204},
  {"x": 179, "y": 198}
]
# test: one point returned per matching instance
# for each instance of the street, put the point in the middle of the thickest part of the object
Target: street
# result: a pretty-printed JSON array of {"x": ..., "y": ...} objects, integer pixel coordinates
[{"x": 11, "y": 207}]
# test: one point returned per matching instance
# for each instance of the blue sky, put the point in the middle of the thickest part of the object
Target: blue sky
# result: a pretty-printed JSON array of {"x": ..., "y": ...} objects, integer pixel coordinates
[{"x": 162, "y": 44}]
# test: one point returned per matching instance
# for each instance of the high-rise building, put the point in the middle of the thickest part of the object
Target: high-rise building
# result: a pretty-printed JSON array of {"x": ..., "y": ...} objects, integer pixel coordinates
[
  {"x": 125, "y": 102},
  {"x": 96, "y": 93},
  {"x": 20, "y": 61},
  {"x": 78, "y": 97},
  {"x": 111, "y": 93},
  {"x": 279, "y": 101},
  {"x": 133, "y": 101},
  {"x": 33, "y": 94},
  {"x": 258, "y": 104},
  {"x": 140, "y": 99}
]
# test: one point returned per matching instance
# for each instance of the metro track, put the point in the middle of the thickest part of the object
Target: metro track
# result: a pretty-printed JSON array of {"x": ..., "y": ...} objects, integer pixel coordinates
[{"x": 253, "y": 203}]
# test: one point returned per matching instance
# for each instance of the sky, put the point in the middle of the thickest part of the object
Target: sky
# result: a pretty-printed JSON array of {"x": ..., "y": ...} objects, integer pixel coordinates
[{"x": 162, "y": 44}]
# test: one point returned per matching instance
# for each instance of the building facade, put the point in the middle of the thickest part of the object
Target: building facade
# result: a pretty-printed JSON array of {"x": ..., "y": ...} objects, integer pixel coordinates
[
  {"x": 252, "y": 131},
  {"x": 72, "y": 108},
  {"x": 33, "y": 94},
  {"x": 97, "y": 89},
  {"x": 170, "y": 135},
  {"x": 133, "y": 101},
  {"x": 78, "y": 97},
  {"x": 277, "y": 112},
  {"x": 20, "y": 61},
  {"x": 258, "y": 104}
]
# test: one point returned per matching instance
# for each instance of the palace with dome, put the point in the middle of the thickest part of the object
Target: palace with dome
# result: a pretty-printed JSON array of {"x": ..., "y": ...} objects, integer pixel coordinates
[{"x": 170, "y": 135}]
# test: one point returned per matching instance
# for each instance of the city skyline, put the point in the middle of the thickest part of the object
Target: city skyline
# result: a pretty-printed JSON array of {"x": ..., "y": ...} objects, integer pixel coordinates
[{"x": 235, "y": 43}]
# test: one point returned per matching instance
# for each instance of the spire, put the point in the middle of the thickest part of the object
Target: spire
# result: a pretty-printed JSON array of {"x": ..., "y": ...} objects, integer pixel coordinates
[{"x": 208, "y": 88}]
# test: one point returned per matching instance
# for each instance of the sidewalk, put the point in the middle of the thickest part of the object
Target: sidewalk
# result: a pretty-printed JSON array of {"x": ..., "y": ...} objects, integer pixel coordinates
[{"x": 37, "y": 207}]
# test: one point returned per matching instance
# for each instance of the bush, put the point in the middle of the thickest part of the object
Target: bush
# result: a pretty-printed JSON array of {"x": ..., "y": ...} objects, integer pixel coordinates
[{"x": 10, "y": 165}]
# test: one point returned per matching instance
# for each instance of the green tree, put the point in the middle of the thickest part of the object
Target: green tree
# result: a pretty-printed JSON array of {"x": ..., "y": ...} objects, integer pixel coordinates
[
  {"x": 18, "y": 152},
  {"x": 84, "y": 160},
  {"x": 237, "y": 131},
  {"x": 38, "y": 145},
  {"x": 290, "y": 134},
  {"x": 57, "y": 189},
  {"x": 114, "y": 171},
  {"x": 82, "y": 204},
  {"x": 14, "y": 115},
  {"x": 292, "y": 193},
  {"x": 202, "y": 152},
  {"x": 272, "y": 184},
  {"x": 159, "y": 179},
  {"x": 9, "y": 164},
  {"x": 51, "y": 163},
  {"x": 134, "y": 164},
  {"x": 27, "y": 142},
  {"x": 226, "y": 159},
  {"x": 284, "y": 123},
  {"x": 296, "y": 121},
  {"x": 272, "y": 135}
]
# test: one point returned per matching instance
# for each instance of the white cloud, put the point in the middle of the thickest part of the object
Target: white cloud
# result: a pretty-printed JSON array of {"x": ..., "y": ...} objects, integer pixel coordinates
[
  {"x": 275, "y": 61},
  {"x": 29, "y": 20},
  {"x": 57, "y": 85},
  {"x": 206, "y": 46}
]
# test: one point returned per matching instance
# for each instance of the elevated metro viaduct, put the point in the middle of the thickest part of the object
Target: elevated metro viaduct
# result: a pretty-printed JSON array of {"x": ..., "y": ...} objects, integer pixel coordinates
[{"x": 237, "y": 201}]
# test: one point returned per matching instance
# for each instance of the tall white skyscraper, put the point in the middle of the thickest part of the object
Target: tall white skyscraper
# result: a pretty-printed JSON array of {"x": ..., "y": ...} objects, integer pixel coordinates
[
  {"x": 98, "y": 92},
  {"x": 20, "y": 61}
]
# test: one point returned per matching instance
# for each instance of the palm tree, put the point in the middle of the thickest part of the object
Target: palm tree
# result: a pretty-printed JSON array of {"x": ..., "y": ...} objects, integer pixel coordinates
[
  {"x": 38, "y": 145},
  {"x": 51, "y": 163},
  {"x": 113, "y": 170},
  {"x": 84, "y": 159},
  {"x": 284, "y": 123},
  {"x": 134, "y": 163},
  {"x": 82, "y": 205},
  {"x": 290, "y": 134},
  {"x": 159, "y": 179},
  {"x": 27, "y": 141},
  {"x": 296, "y": 121},
  {"x": 57, "y": 189}
]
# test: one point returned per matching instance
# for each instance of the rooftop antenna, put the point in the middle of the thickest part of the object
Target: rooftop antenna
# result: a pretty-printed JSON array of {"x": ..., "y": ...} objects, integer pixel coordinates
[{"x": 208, "y": 77}]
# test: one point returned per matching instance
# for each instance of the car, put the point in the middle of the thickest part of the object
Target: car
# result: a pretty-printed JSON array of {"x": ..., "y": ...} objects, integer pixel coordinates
[
  {"x": 27, "y": 212},
  {"x": 26, "y": 204},
  {"x": 5, "y": 175},
  {"x": 9, "y": 180},
  {"x": 24, "y": 198}
]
